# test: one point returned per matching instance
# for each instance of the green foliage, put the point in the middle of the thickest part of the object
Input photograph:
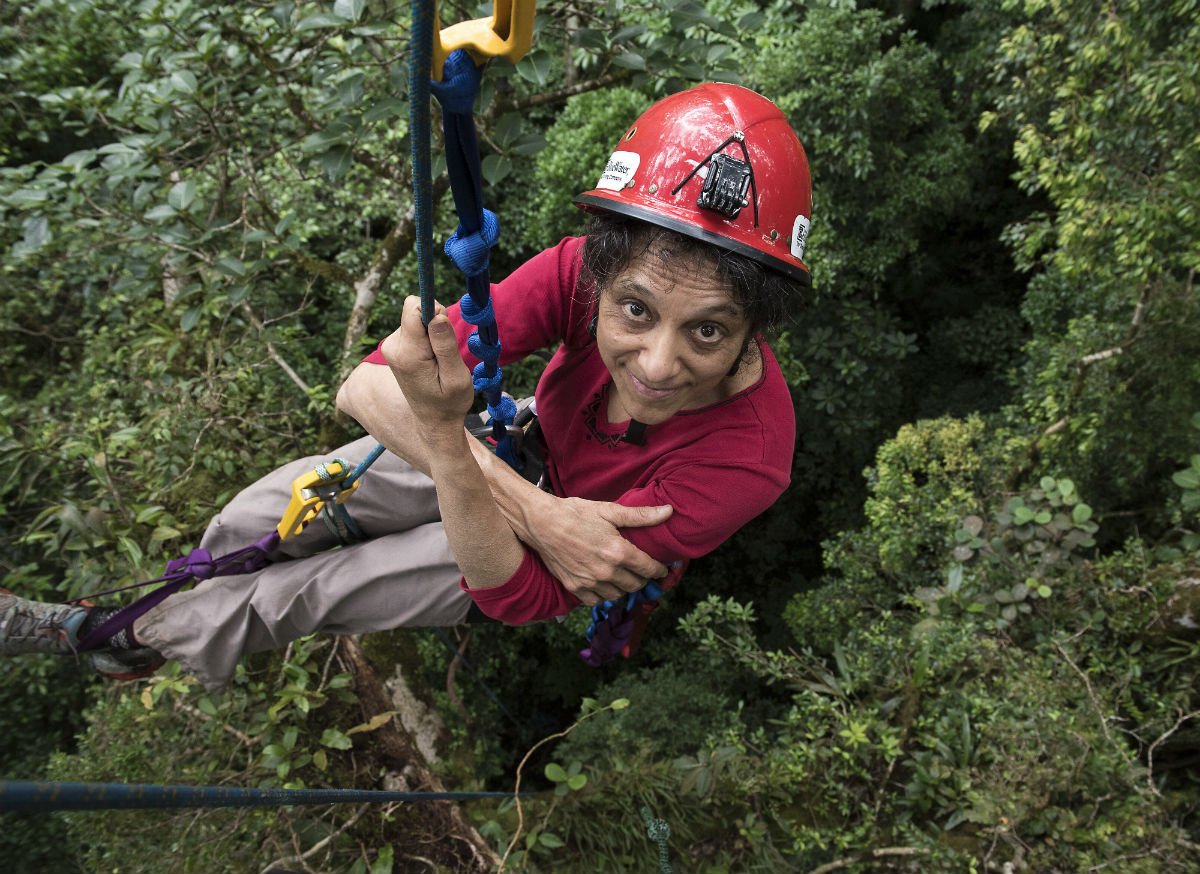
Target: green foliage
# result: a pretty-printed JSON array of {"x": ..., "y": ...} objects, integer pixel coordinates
[
  {"x": 578, "y": 144},
  {"x": 284, "y": 723},
  {"x": 675, "y": 708},
  {"x": 165, "y": 256},
  {"x": 888, "y": 159}
]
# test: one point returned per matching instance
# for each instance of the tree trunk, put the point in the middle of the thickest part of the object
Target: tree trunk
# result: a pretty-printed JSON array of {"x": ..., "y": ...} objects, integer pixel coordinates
[{"x": 400, "y": 753}]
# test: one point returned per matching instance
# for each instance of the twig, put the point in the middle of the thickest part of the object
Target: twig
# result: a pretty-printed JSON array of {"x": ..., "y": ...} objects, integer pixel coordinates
[
  {"x": 450, "y": 674},
  {"x": 316, "y": 848},
  {"x": 275, "y": 356},
  {"x": 517, "y": 786},
  {"x": 877, "y": 854},
  {"x": 1150, "y": 752},
  {"x": 1083, "y": 365},
  {"x": 192, "y": 710},
  {"x": 1095, "y": 703}
]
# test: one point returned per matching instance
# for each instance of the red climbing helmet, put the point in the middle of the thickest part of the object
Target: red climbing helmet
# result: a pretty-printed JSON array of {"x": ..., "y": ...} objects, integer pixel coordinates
[{"x": 719, "y": 163}]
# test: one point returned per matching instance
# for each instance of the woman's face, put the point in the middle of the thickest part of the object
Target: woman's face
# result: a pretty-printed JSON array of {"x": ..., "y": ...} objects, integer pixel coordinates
[{"x": 669, "y": 333}]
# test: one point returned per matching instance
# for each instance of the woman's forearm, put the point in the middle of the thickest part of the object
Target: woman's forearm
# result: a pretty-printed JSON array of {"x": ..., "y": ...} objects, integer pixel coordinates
[{"x": 484, "y": 545}]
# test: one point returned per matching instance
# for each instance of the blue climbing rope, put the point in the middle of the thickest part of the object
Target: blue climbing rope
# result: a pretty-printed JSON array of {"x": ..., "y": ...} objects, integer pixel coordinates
[
  {"x": 32, "y": 795},
  {"x": 419, "y": 62}
]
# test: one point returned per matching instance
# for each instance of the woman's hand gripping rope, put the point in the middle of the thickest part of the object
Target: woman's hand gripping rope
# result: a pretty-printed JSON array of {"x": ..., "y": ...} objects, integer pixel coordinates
[{"x": 431, "y": 374}]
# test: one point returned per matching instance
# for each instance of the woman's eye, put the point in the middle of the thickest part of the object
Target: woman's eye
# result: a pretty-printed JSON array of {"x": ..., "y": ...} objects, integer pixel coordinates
[
  {"x": 709, "y": 332},
  {"x": 634, "y": 309}
]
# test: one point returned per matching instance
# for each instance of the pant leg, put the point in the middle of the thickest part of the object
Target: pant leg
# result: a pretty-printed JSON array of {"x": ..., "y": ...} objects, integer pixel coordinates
[
  {"x": 405, "y": 576},
  {"x": 391, "y": 496}
]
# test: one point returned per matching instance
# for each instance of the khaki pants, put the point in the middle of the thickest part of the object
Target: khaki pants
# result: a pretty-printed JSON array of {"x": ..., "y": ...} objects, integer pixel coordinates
[{"x": 403, "y": 576}]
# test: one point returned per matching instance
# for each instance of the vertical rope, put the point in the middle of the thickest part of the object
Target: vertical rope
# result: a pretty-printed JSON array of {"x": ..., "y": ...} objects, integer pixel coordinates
[{"x": 419, "y": 63}]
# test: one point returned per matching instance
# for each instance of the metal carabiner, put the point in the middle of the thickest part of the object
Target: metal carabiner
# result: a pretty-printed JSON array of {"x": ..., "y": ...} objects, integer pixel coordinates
[
  {"x": 507, "y": 33},
  {"x": 311, "y": 492}
]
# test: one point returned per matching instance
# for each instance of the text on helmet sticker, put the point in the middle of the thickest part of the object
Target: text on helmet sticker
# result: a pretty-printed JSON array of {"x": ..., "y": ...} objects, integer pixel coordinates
[
  {"x": 800, "y": 235},
  {"x": 619, "y": 170}
]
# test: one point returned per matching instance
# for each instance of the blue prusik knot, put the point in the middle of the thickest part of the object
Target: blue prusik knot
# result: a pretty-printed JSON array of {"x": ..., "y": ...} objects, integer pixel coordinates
[
  {"x": 469, "y": 252},
  {"x": 482, "y": 381},
  {"x": 460, "y": 83},
  {"x": 488, "y": 352},
  {"x": 505, "y": 411},
  {"x": 473, "y": 315}
]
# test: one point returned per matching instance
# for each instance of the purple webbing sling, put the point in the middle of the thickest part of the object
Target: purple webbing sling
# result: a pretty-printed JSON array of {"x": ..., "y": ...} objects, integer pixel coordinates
[{"x": 196, "y": 565}]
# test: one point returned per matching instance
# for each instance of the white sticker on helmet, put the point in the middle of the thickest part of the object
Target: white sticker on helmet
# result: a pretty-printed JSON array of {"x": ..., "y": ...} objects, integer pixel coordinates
[
  {"x": 619, "y": 170},
  {"x": 800, "y": 235}
]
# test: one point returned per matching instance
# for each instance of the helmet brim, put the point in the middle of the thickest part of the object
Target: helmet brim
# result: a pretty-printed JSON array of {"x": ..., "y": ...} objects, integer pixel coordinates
[{"x": 591, "y": 202}]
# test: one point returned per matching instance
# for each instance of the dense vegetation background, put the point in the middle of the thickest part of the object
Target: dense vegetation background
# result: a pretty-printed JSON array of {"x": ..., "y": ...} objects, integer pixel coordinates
[{"x": 965, "y": 638}]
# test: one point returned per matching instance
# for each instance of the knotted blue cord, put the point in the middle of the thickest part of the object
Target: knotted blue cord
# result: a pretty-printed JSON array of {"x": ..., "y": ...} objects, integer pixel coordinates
[{"x": 478, "y": 230}]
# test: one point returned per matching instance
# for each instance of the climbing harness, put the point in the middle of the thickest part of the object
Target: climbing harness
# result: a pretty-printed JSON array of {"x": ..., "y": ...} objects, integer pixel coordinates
[
  {"x": 32, "y": 795},
  {"x": 614, "y": 623}
]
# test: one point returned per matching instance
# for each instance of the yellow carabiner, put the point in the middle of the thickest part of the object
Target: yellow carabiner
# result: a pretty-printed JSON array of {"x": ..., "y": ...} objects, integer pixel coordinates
[
  {"x": 310, "y": 493},
  {"x": 508, "y": 33}
]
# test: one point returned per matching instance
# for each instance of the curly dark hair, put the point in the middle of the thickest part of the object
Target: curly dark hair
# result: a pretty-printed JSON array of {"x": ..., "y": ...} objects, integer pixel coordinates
[{"x": 614, "y": 241}]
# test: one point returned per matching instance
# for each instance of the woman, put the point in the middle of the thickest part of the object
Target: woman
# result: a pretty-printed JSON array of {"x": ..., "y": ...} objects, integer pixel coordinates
[{"x": 666, "y": 422}]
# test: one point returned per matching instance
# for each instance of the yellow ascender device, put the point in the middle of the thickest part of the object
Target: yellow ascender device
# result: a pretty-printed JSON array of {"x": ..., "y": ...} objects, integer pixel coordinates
[
  {"x": 311, "y": 492},
  {"x": 507, "y": 33}
]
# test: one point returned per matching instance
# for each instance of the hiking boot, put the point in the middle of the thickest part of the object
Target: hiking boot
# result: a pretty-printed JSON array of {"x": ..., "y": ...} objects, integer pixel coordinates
[
  {"x": 36, "y": 627},
  {"x": 125, "y": 664}
]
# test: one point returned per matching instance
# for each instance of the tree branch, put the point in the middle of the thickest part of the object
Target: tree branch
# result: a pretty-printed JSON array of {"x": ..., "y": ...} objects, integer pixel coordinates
[{"x": 874, "y": 854}]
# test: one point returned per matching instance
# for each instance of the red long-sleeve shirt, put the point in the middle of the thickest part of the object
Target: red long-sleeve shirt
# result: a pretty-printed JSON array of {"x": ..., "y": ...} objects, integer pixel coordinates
[{"x": 718, "y": 466}]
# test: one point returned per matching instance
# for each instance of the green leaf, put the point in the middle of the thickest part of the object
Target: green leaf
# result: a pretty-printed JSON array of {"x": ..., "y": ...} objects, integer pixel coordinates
[
  {"x": 588, "y": 38},
  {"x": 230, "y": 266},
  {"x": 182, "y": 194},
  {"x": 166, "y": 532},
  {"x": 1188, "y": 478},
  {"x": 495, "y": 168},
  {"x": 384, "y": 860},
  {"x": 183, "y": 80},
  {"x": 555, "y": 772},
  {"x": 387, "y": 108},
  {"x": 205, "y": 705},
  {"x": 1022, "y": 515},
  {"x": 315, "y": 22},
  {"x": 630, "y": 61},
  {"x": 508, "y": 128},
  {"x": 578, "y": 781},
  {"x": 36, "y": 232},
  {"x": 534, "y": 67},
  {"x": 334, "y": 739},
  {"x": 375, "y": 722},
  {"x": 26, "y": 197},
  {"x": 529, "y": 144},
  {"x": 620, "y": 704},
  {"x": 161, "y": 212},
  {"x": 1081, "y": 513},
  {"x": 336, "y": 162},
  {"x": 350, "y": 10},
  {"x": 552, "y": 842}
]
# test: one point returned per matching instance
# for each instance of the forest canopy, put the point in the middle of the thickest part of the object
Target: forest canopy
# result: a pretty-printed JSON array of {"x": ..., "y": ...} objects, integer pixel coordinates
[{"x": 963, "y": 639}]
